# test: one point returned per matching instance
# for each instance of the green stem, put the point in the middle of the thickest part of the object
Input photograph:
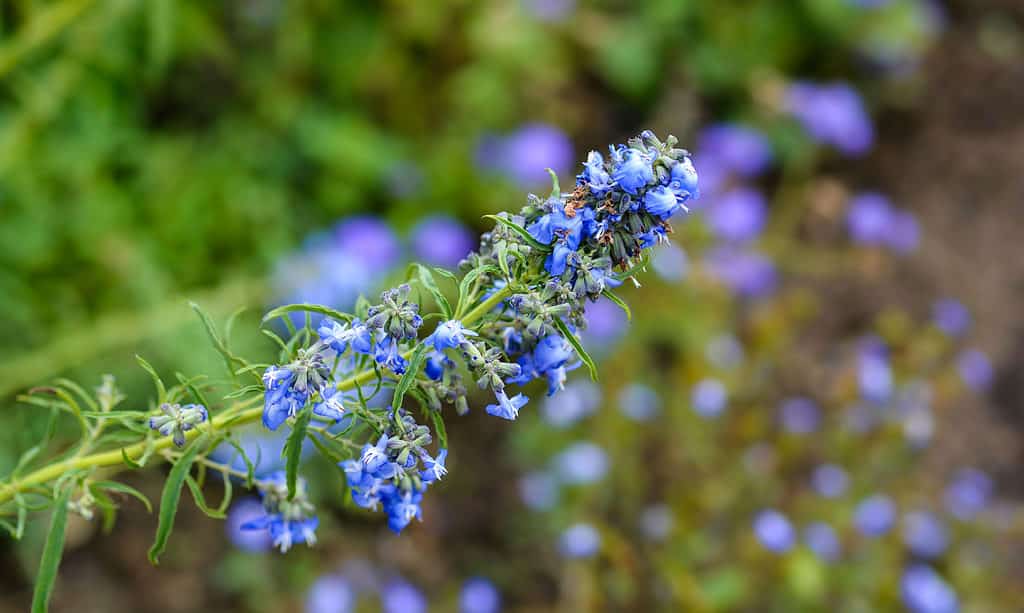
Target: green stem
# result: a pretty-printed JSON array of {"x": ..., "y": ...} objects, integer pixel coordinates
[{"x": 239, "y": 414}]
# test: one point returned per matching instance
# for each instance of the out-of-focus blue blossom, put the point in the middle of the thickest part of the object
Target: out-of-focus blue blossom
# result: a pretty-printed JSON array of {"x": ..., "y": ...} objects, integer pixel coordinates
[
  {"x": 738, "y": 215},
  {"x": 576, "y": 401},
  {"x": 524, "y": 155},
  {"x": 869, "y": 4},
  {"x": 709, "y": 397},
  {"x": 550, "y": 10},
  {"x": 670, "y": 262},
  {"x": 821, "y": 538},
  {"x": 868, "y": 218},
  {"x": 479, "y": 595},
  {"x": 606, "y": 323},
  {"x": 875, "y": 515},
  {"x": 904, "y": 232},
  {"x": 398, "y": 596},
  {"x": 799, "y": 415},
  {"x": 324, "y": 274},
  {"x": 261, "y": 447},
  {"x": 774, "y": 531},
  {"x": 830, "y": 480},
  {"x": 968, "y": 494},
  {"x": 747, "y": 274},
  {"x": 951, "y": 316},
  {"x": 243, "y": 511},
  {"x": 330, "y": 594},
  {"x": 441, "y": 241},
  {"x": 924, "y": 534},
  {"x": 538, "y": 490},
  {"x": 724, "y": 351},
  {"x": 975, "y": 369},
  {"x": 874, "y": 375},
  {"x": 371, "y": 241},
  {"x": 832, "y": 114},
  {"x": 638, "y": 401},
  {"x": 741, "y": 149},
  {"x": 582, "y": 463},
  {"x": 657, "y": 522},
  {"x": 924, "y": 591},
  {"x": 289, "y": 522},
  {"x": 580, "y": 541}
]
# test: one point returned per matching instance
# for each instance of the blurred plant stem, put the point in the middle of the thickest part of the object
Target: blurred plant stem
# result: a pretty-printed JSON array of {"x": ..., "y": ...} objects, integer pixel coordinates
[
  {"x": 240, "y": 413},
  {"x": 120, "y": 330},
  {"x": 44, "y": 26}
]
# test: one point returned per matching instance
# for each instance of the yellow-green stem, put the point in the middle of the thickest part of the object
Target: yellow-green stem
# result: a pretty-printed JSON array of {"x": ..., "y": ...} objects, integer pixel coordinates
[{"x": 239, "y": 414}]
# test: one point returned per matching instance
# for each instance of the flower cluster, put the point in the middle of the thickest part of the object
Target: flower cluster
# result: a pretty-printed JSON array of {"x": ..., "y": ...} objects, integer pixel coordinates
[
  {"x": 175, "y": 420},
  {"x": 288, "y": 521},
  {"x": 534, "y": 274}
]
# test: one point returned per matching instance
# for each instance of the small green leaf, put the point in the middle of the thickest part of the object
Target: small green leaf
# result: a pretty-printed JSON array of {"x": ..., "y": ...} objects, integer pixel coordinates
[
  {"x": 644, "y": 260},
  {"x": 619, "y": 301},
  {"x": 170, "y": 497},
  {"x": 575, "y": 342},
  {"x": 522, "y": 232},
  {"x": 412, "y": 370},
  {"x": 121, "y": 488},
  {"x": 467, "y": 283},
  {"x": 130, "y": 462},
  {"x": 556, "y": 191},
  {"x": 292, "y": 451},
  {"x": 230, "y": 359},
  {"x": 161, "y": 391},
  {"x": 250, "y": 469},
  {"x": 305, "y": 308},
  {"x": 426, "y": 279},
  {"x": 442, "y": 433},
  {"x": 200, "y": 499},
  {"x": 52, "y": 552}
]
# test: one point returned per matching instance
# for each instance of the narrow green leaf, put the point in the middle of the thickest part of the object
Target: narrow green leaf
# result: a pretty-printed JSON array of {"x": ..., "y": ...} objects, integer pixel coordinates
[
  {"x": 467, "y": 283},
  {"x": 292, "y": 451},
  {"x": 161, "y": 391},
  {"x": 281, "y": 311},
  {"x": 645, "y": 259},
  {"x": 412, "y": 370},
  {"x": 76, "y": 388},
  {"x": 575, "y": 342},
  {"x": 447, "y": 274},
  {"x": 121, "y": 488},
  {"x": 556, "y": 191},
  {"x": 522, "y": 232},
  {"x": 250, "y": 469},
  {"x": 620, "y": 302},
  {"x": 130, "y": 462},
  {"x": 200, "y": 499},
  {"x": 502, "y": 256},
  {"x": 52, "y": 552},
  {"x": 442, "y": 433},
  {"x": 230, "y": 359},
  {"x": 170, "y": 497},
  {"x": 426, "y": 279}
]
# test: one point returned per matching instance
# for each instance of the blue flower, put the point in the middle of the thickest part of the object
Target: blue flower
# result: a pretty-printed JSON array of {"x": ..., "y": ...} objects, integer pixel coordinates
[
  {"x": 741, "y": 149},
  {"x": 507, "y": 408},
  {"x": 401, "y": 597},
  {"x": 924, "y": 591},
  {"x": 330, "y": 404},
  {"x": 582, "y": 463},
  {"x": 441, "y": 241},
  {"x": 434, "y": 365},
  {"x": 661, "y": 202},
  {"x": 709, "y": 398},
  {"x": 281, "y": 400},
  {"x": 951, "y": 316},
  {"x": 968, "y": 494},
  {"x": 479, "y": 595},
  {"x": 594, "y": 175},
  {"x": 176, "y": 420},
  {"x": 738, "y": 215},
  {"x": 683, "y": 181},
  {"x": 875, "y": 515},
  {"x": 402, "y": 508},
  {"x": 388, "y": 355},
  {"x": 331, "y": 594},
  {"x": 633, "y": 172},
  {"x": 800, "y": 415},
  {"x": 832, "y": 114},
  {"x": 375, "y": 457},
  {"x": 448, "y": 335},
  {"x": 821, "y": 538},
  {"x": 338, "y": 336},
  {"x": 288, "y": 521},
  {"x": 830, "y": 480},
  {"x": 774, "y": 531},
  {"x": 434, "y": 468},
  {"x": 580, "y": 541},
  {"x": 924, "y": 534},
  {"x": 975, "y": 369}
]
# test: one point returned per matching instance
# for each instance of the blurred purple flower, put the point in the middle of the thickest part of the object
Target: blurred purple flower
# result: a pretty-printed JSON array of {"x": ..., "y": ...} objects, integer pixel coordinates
[
  {"x": 738, "y": 215},
  {"x": 580, "y": 541},
  {"x": 577, "y": 400},
  {"x": 714, "y": 176},
  {"x": 774, "y": 531},
  {"x": 479, "y": 595},
  {"x": 639, "y": 402},
  {"x": 399, "y": 596},
  {"x": 370, "y": 240},
  {"x": 441, "y": 241},
  {"x": 709, "y": 397},
  {"x": 874, "y": 375},
  {"x": 830, "y": 480},
  {"x": 821, "y": 538},
  {"x": 832, "y": 114},
  {"x": 875, "y": 515},
  {"x": 606, "y": 323},
  {"x": 924, "y": 591},
  {"x": 550, "y": 10},
  {"x": 670, "y": 262},
  {"x": 738, "y": 148},
  {"x": 581, "y": 463},
  {"x": 538, "y": 490},
  {"x": 904, "y": 233},
  {"x": 330, "y": 594},
  {"x": 746, "y": 273},
  {"x": 968, "y": 494},
  {"x": 242, "y": 511},
  {"x": 525, "y": 155},
  {"x": 951, "y": 316},
  {"x": 975, "y": 369},
  {"x": 868, "y": 218},
  {"x": 924, "y": 534},
  {"x": 799, "y": 415}
]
